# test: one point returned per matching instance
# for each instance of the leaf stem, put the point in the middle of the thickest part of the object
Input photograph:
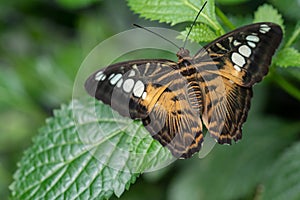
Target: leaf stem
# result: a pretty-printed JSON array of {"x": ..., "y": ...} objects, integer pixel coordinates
[
  {"x": 213, "y": 24},
  {"x": 224, "y": 19},
  {"x": 284, "y": 84},
  {"x": 292, "y": 39}
]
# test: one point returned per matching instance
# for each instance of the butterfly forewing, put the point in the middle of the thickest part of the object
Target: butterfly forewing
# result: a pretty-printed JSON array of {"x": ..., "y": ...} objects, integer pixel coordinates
[
  {"x": 124, "y": 85},
  {"x": 172, "y": 99},
  {"x": 243, "y": 55},
  {"x": 156, "y": 92}
]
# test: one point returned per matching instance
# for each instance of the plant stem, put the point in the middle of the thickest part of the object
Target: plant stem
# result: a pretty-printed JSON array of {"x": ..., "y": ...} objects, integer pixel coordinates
[
  {"x": 293, "y": 38},
  {"x": 215, "y": 26},
  {"x": 224, "y": 19}
]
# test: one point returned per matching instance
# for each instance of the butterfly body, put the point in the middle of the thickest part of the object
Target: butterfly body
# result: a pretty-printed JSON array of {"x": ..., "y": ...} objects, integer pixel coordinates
[{"x": 173, "y": 99}]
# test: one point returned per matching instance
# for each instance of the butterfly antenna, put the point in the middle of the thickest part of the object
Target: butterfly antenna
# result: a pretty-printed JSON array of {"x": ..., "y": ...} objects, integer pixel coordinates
[
  {"x": 157, "y": 35},
  {"x": 187, "y": 36}
]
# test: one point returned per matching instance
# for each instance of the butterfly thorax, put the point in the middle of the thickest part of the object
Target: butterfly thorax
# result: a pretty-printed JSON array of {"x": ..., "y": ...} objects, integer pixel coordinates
[{"x": 183, "y": 53}]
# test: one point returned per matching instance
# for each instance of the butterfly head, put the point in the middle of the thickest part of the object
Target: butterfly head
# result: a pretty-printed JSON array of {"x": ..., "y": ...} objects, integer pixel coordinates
[{"x": 183, "y": 53}]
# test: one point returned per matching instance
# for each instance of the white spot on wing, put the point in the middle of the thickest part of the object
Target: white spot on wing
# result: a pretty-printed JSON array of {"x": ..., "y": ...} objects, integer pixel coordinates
[
  {"x": 115, "y": 79},
  {"x": 138, "y": 88},
  {"x": 251, "y": 44},
  {"x": 134, "y": 66},
  {"x": 245, "y": 50},
  {"x": 128, "y": 85},
  {"x": 263, "y": 31},
  {"x": 238, "y": 59},
  {"x": 111, "y": 76},
  {"x": 147, "y": 68},
  {"x": 236, "y": 43},
  {"x": 103, "y": 77},
  {"x": 237, "y": 68},
  {"x": 252, "y": 38},
  {"x": 144, "y": 95},
  {"x": 99, "y": 76},
  {"x": 119, "y": 84},
  {"x": 264, "y": 28},
  {"x": 221, "y": 47},
  {"x": 131, "y": 73}
]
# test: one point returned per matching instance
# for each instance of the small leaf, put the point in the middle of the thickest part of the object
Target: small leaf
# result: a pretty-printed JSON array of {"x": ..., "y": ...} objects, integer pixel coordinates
[
  {"x": 267, "y": 13},
  {"x": 200, "y": 33},
  {"x": 284, "y": 176},
  {"x": 175, "y": 12},
  {"x": 86, "y": 151},
  {"x": 288, "y": 57}
]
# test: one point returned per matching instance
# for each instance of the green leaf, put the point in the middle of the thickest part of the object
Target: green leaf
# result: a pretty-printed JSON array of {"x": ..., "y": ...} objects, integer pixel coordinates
[
  {"x": 267, "y": 13},
  {"x": 230, "y": 2},
  {"x": 284, "y": 176},
  {"x": 288, "y": 57},
  {"x": 175, "y": 12},
  {"x": 86, "y": 151},
  {"x": 200, "y": 33},
  {"x": 233, "y": 172}
]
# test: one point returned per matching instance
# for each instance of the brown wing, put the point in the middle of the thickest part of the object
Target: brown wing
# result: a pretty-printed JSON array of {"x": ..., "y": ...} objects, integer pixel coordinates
[
  {"x": 226, "y": 108},
  {"x": 156, "y": 92},
  {"x": 122, "y": 85},
  {"x": 174, "y": 119},
  {"x": 228, "y": 67}
]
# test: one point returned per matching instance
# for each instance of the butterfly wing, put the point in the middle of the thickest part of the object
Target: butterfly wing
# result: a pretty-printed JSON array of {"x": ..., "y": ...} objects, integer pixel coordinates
[
  {"x": 234, "y": 63},
  {"x": 243, "y": 55},
  {"x": 226, "y": 108},
  {"x": 156, "y": 92},
  {"x": 123, "y": 85},
  {"x": 174, "y": 119}
]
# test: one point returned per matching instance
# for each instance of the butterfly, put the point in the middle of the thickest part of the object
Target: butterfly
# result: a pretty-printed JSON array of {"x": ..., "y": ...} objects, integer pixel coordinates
[{"x": 175, "y": 99}]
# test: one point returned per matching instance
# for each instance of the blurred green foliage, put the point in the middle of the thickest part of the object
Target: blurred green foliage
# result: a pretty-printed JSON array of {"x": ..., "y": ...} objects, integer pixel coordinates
[{"x": 42, "y": 44}]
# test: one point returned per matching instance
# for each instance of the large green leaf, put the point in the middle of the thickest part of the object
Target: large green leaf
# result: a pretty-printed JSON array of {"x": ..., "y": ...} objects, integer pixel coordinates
[
  {"x": 284, "y": 175},
  {"x": 86, "y": 151},
  {"x": 175, "y": 12}
]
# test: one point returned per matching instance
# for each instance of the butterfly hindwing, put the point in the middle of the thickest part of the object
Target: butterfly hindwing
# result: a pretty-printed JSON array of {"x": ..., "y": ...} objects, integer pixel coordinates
[
  {"x": 225, "y": 109},
  {"x": 175, "y": 119}
]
